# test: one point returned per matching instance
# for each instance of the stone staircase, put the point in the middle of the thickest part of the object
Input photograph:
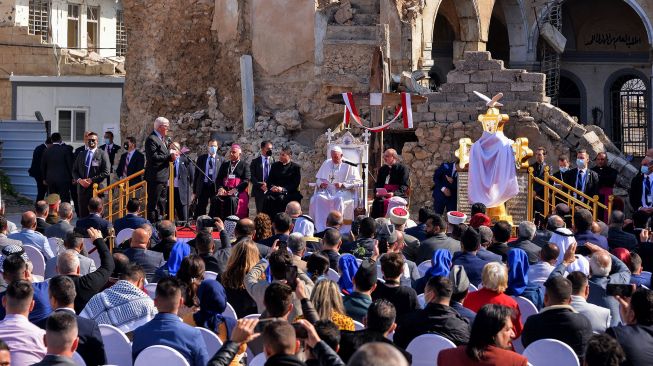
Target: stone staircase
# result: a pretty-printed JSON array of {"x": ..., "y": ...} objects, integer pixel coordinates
[{"x": 365, "y": 17}]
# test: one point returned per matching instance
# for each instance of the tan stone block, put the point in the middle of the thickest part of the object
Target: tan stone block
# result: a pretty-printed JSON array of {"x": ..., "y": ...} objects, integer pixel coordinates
[
  {"x": 484, "y": 76},
  {"x": 521, "y": 87}
]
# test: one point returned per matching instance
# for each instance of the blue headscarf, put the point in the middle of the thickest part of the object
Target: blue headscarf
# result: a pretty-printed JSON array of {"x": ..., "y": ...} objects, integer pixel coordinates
[
  {"x": 213, "y": 302},
  {"x": 177, "y": 254},
  {"x": 348, "y": 268},
  {"x": 517, "y": 272},
  {"x": 440, "y": 264}
]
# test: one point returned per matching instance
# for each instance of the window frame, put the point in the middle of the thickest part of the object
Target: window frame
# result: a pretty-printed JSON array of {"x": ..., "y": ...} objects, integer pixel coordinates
[{"x": 73, "y": 122}]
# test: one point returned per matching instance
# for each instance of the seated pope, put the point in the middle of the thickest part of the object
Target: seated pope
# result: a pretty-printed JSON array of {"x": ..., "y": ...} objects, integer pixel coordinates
[
  {"x": 232, "y": 180},
  {"x": 336, "y": 186},
  {"x": 392, "y": 180}
]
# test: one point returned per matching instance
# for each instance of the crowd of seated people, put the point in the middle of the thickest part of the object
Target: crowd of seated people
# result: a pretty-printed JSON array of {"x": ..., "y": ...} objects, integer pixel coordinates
[{"x": 356, "y": 297}]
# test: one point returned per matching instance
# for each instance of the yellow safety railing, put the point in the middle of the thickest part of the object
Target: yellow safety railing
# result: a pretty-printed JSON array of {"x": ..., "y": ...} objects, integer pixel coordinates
[
  {"x": 556, "y": 191},
  {"x": 116, "y": 203}
]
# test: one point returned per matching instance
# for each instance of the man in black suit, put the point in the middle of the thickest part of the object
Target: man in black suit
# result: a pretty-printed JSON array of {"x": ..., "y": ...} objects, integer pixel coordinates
[
  {"x": 73, "y": 187},
  {"x": 563, "y": 167},
  {"x": 35, "y": 169},
  {"x": 41, "y": 209},
  {"x": 204, "y": 187},
  {"x": 183, "y": 182},
  {"x": 607, "y": 180},
  {"x": 57, "y": 166},
  {"x": 282, "y": 185},
  {"x": 581, "y": 177},
  {"x": 132, "y": 161},
  {"x": 232, "y": 180},
  {"x": 138, "y": 253},
  {"x": 157, "y": 168},
  {"x": 259, "y": 169},
  {"x": 94, "y": 219},
  {"x": 641, "y": 189},
  {"x": 538, "y": 172},
  {"x": 91, "y": 167},
  {"x": 61, "y": 290},
  {"x": 111, "y": 149}
]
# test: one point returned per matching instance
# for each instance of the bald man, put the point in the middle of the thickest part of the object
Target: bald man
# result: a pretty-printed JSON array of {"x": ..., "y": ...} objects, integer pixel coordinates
[
  {"x": 139, "y": 254},
  {"x": 28, "y": 236},
  {"x": 392, "y": 180},
  {"x": 232, "y": 182}
]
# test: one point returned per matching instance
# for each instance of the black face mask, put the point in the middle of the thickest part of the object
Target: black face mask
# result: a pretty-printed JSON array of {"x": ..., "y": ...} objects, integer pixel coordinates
[{"x": 268, "y": 153}]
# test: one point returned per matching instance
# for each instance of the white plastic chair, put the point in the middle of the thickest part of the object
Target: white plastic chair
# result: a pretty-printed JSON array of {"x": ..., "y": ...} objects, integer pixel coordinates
[
  {"x": 358, "y": 325},
  {"x": 517, "y": 345},
  {"x": 37, "y": 259},
  {"x": 116, "y": 345},
  {"x": 472, "y": 288},
  {"x": 421, "y": 300},
  {"x": 212, "y": 341},
  {"x": 333, "y": 275},
  {"x": 79, "y": 361},
  {"x": 526, "y": 308},
  {"x": 150, "y": 289},
  {"x": 123, "y": 235},
  {"x": 259, "y": 360},
  {"x": 425, "y": 349},
  {"x": 423, "y": 267},
  {"x": 210, "y": 275},
  {"x": 252, "y": 316},
  {"x": 230, "y": 312},
  {"x": 56, "y": 245},
  {"x": 550, "y": 352},
  {"x": 160, "y": 355}
]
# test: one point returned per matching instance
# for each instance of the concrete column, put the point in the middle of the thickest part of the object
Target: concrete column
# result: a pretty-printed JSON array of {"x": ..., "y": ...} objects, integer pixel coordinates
[{"x": 247, "y": 88}]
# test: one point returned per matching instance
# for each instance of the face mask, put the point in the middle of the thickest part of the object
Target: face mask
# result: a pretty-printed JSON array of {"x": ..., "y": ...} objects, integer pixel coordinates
[
  {"x": 563, "y": 169},
  {"x": 213, "y": 150},
  {"x": 106, "y": 141},
  {"x": 580, "y": 163},
  {"x": 268, "y": 153},
  {"x": 644, "y": 169}
]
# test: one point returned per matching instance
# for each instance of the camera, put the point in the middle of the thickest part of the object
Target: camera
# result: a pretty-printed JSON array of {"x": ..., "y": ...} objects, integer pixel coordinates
[{"x": 206, "y": 223}]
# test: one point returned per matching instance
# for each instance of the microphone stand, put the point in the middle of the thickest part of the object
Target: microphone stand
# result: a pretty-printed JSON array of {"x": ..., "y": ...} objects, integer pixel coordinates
[{"x": 197, "y": 168}]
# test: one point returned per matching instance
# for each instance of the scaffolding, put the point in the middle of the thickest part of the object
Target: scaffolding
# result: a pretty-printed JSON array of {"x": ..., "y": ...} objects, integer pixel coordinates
[{"x": 550, "y": 65}]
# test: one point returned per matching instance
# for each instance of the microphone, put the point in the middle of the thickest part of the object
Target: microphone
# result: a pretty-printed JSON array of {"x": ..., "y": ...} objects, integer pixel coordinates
[
  {"x": 349, "y": 162},
  {"x": 168, "y": 140}
]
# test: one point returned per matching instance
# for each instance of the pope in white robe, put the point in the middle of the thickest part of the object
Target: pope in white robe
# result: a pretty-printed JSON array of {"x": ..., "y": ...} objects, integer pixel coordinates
[{"x": 335, "y": 190}]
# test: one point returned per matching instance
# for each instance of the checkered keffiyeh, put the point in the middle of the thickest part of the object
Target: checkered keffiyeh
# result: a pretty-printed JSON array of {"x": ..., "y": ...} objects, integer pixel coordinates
[{"x": 123, "y": 305}]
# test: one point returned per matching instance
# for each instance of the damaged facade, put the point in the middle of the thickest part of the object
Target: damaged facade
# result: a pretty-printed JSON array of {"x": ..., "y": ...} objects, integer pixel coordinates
[{"x": 192, "y": 65}]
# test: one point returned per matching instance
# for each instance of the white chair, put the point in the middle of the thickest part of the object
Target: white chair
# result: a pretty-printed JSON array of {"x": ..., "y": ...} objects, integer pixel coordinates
[
  {"x": 518, "y": 346},
  {"x": 526, "y": 308},
  {"x": 421, "y": 300},
  {"x": 425, "y": 349},
  {"x": 56, "y": 245},
  {"x": 150, "y": 289},
  {"x": 259, "y": 360},
  {"x": 210, "y": 275},
  {"x": 252, "y": 316},
  {"x": 117, "y": 346},
  {"x": 123, "y": 235},
  {"x": 160, "y": 355},
  {"x": 37, "y": 259},
  {"x": 212, "y": 341},
  {"x": 230, "y": 312},
  {"x": 359, "y": 261},
  {"x": 358, "y": 325},
  {"x": 333, "y": 275},
  {"x": 79, "y": 361},
  {"x": 550, "y": 352},
  {"x": 423, "y": 267},
  {"x": 472, "y": 288}
]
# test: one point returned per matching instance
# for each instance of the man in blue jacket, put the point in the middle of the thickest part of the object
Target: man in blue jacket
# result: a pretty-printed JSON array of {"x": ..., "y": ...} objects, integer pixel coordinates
[{"x": 445, "y": 179}]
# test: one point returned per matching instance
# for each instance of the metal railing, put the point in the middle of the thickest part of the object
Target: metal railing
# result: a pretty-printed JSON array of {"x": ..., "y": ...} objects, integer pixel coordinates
[
  {"x": 556, "y": 191},
  {"x": 116, "y": 203}
]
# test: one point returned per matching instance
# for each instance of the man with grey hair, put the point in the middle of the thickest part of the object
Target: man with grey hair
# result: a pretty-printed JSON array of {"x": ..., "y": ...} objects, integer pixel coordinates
[
  {"x": 297, "y": 245},
  {"x": 157, "y": 168},
  {"x": 392, "y": 180},
  {"x": 63, "y": 227},
  {"x": 486, "y": 240},
  {"x": 74, "y": 242},
  {"x": 602, "y": 264},
  {"x": 4, "y": 229},
  {"x": 378, "y": 354},
  {"x": 617, "y": 237},
  {"x": 526, "y": 233},
  {"x": 542, "y": 236}
]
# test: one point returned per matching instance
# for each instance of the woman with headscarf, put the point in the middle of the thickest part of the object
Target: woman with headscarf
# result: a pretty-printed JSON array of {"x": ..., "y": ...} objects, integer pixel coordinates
[
  {"x": 563, "y": 238},
  {"x": 348, "y": 267},
  {"x": 518, "y": 278},
  {"x": 440, "y": 266}
]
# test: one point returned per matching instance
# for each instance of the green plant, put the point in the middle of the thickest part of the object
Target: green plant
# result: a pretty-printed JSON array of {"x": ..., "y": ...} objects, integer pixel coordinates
[{"x": 5, "y": 185}]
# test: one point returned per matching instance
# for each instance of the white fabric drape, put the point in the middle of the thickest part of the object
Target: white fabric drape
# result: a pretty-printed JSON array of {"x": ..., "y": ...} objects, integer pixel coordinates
[{"x": 492, "y": 173}]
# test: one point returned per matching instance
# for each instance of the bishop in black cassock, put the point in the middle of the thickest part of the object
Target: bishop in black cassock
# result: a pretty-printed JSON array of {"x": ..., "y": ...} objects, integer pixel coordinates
[
  {"x": 232, "y": 181},
  {"x": 393, "y": 176}
]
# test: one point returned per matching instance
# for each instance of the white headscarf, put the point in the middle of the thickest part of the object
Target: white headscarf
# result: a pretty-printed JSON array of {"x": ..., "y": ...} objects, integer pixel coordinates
[
  {"x": 304, "y": 226},
  {"x": 563, "y": 238}
]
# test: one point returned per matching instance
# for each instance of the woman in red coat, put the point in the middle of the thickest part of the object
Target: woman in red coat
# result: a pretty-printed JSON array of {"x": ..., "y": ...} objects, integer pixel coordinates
[
  {"x": 495, "y": 282},
  {"x": 489, "y": 342}
]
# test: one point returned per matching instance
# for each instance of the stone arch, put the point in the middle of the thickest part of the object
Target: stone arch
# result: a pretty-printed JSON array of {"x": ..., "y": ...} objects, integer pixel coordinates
[
  {"x": 534, "y": 34},
  {"x": 517, "y": 25},
  {"x": 468, "y": 17},
  {"x": 582, "y": 91}
]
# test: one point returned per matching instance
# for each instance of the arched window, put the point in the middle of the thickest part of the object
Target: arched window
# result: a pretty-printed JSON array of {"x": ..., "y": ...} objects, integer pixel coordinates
[{"x": 630, "y": 115}]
